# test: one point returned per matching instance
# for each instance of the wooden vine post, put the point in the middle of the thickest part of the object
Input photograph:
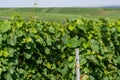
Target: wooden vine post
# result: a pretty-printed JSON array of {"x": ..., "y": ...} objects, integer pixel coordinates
[
  {"x": 77, "y": 64},
  {"x": 34, "y": 5}
]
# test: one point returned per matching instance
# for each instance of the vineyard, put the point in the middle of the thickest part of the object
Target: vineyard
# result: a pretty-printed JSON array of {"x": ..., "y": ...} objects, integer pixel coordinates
[
  {"x": 58, "y": 14},
  {"x": 38, "y": 50}
]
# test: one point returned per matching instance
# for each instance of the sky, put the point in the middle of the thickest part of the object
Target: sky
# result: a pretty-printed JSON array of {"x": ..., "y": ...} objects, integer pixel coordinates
[{"x": 59, "y": 3}]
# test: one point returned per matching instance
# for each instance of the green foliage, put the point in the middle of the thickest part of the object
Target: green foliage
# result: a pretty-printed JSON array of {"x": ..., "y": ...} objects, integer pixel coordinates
[{"x": 35, "y": 50}]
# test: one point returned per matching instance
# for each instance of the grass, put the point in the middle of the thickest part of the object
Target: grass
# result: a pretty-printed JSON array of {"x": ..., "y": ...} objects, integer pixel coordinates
[{"x": 56, "y": 14}]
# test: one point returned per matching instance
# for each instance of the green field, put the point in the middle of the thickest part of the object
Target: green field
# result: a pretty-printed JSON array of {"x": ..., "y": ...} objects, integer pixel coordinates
[{"x": 61, "y": 13}]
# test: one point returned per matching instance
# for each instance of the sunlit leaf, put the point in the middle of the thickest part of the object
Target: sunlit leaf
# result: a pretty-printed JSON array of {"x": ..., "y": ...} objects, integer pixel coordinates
[
  {"x": 47, "y": 50},
  {"x": 12, "y": 39},
  {"x": 83, "y": 61},
  {"x": 33, "y": 30},
  {"x": 71, "y": 65},
  {"x": 8, "y": 76},
  {"x": 5, "y": 26},
  {"x": 94, "y": 45},
  {"x": 118, "y": 28},
  {"x": 21, "y": 71},
  {"x": 71, "y": 28},
  {"x": 70, "y": 58},
  {"x": 5, "y": 53},
  {"x": 0, "y": 71},
  {"x": 1, "y": 39},
  {"x": 100, "y": 57},
  {"x": 27, "y": 55},
  {"x": 51, "y": 29},
  {"x": 79, "y": 21},
  {"x": 48, "y": 65},
  {"x": 74, "y": 42}
]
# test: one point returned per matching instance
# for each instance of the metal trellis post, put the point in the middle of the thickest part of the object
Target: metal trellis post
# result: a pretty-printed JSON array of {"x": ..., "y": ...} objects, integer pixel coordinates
[{"x": 77, "y": 64}]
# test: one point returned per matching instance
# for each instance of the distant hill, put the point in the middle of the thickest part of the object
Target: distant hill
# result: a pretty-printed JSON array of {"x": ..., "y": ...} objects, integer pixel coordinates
[{"x": 111, "y": 7}]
